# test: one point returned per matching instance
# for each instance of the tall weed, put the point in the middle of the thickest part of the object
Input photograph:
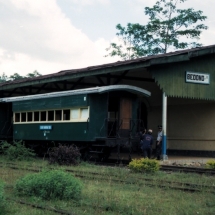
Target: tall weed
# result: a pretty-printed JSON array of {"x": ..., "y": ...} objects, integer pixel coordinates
[
  {"x": 16, "y": 150},
  {"x": 64, "y": 155},
  {"x": 52, "y": 184}
]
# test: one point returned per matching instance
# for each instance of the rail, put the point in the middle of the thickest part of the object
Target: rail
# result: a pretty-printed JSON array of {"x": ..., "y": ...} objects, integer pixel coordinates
[
  {"x": 141, "y": 180},
  {"x": 171, "y": 168}
]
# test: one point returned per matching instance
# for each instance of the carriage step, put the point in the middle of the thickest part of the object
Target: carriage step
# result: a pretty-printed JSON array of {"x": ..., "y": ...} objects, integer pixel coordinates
[
  {"x": 106, "y": 138},
  {"x": 99, "y": 146},
  {"x": 100, "y": 138},
  {"x": 96, "y": 152}
]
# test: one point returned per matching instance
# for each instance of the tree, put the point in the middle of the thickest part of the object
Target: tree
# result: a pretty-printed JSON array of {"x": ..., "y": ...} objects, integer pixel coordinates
[
  {"x": 3, "y": 77},
  {"x": 168, "y": 28},
  {"x": 16, "y": 76},
  {"x": 35, "y": 73}
]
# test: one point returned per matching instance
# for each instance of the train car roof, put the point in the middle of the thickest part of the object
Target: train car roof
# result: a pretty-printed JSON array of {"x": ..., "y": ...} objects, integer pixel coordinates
[{"x": 132, "y": 89}]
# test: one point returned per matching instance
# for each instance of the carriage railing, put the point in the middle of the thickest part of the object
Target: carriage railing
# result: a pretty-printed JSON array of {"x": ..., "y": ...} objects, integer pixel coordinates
[
  {"x": 109, "y": 127},
  {"x": 138, "y": 123},
  {"x": 112, "y": 127}
]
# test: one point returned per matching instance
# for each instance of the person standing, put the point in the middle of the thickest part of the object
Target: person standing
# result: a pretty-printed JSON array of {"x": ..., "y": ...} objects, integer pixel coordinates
[
  {"x": 146, "y": 144},
  {"x": 159, "y": 142}
]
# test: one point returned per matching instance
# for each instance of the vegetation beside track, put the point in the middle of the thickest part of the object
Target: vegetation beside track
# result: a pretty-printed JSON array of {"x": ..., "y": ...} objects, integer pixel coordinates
[
  {"x": 116, "y": 197},
  {"x": 130, "y": 179}
]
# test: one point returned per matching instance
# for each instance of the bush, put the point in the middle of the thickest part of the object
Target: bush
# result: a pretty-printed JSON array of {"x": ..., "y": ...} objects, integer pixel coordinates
[
  {"x": 64, "y": 155},
  {"x": 144, "y": 165},
  {"x": 2, "y": 198},
  {"x": 210, "y": 164},
  {"x": 53, "y": 184},
  {"x": 16, "y": 151}
]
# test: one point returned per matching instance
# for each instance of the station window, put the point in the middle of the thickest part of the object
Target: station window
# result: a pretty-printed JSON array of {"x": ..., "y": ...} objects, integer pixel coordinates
[
  {"x": 23, "y": 117},
  {"x": 29, "y": 116}
]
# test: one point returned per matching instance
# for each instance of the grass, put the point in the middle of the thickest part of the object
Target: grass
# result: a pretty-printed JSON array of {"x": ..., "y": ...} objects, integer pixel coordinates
[
  {"x": 110, "y": 198},
  {"x": 14, "y": 208}
]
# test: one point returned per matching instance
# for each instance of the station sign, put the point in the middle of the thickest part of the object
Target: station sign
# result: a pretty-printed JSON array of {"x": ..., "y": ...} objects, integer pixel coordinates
[
  {"x": 198, "y": 78},
  {"x": 45, "y": 127}
]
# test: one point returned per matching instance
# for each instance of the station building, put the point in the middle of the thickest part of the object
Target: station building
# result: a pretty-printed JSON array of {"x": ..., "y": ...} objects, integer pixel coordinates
[{"x": 182, "y": 86}]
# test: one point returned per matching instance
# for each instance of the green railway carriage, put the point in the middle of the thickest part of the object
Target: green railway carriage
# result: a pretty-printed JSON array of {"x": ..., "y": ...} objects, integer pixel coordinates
[{"x": 106, "y": 116}]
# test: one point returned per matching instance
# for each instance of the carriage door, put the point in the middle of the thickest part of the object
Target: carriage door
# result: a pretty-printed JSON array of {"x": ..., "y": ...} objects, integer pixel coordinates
[{"x": 125, "y": 113}]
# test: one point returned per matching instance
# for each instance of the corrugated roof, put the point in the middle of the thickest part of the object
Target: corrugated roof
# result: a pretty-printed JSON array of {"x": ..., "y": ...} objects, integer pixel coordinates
[{"x": 195, "y": 52}]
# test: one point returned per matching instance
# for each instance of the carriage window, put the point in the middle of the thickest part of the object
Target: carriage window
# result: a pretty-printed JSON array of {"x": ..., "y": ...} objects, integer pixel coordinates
[
  {"x": 17, "y": 117},
  {"x": 23, "y": 117},
  {"x": 43, "y": 116},
  {"x": 36, "y": 116},
  {"x": 51, "y": 115},
  {"x": 58, "y": 115},
  {"x": 75, "y": 113},
  {"x": 66, "y": 114},
  {"x": 63, "y": 115},
  {"x": 29, "y": 117},
  {"x": 84, "y": 113}
]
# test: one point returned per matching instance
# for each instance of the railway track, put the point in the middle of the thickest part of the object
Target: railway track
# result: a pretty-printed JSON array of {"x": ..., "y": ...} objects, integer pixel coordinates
[
  {"x": 171, "y": 168},
  {"x": 37, "y": 206},
  {"x": 167, "y": 168},
  {"x": 46, "y": 208},
  {"x": 140, "y": 181}
]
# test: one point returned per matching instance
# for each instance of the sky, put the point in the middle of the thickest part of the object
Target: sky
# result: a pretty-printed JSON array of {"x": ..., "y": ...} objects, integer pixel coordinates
[{"x": 54, "y": 35}]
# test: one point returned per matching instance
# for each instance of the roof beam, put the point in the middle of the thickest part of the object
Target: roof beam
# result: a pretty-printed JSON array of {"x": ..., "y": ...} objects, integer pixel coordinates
[
  {"x": 100, "y": 80},
  {"x": 121, "y": 77}
]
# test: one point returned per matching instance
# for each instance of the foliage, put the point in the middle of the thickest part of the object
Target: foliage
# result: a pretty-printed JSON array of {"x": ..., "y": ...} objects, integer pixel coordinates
[
  {"x": 144, "y": 165},
  {"x": 33, "y": 74},
  {"x": 168, "y": 28},
  {"x": 64, "y": 155},
  {"x": 210, "y": 164},
  {"x": 2, "y": 198},
  {"x": 53, "y": 184},
  {"x": 17, "y": 76},
  {"x": 3, "y": 77},
  {"x": 16, "y": 150},
  {"x": 119, "y": 191}
]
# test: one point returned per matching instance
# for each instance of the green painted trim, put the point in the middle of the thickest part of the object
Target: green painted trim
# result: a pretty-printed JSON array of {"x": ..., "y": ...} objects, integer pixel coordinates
[
  {"x": 172, "y": 59},
  {"x": 171, "y": 78}
]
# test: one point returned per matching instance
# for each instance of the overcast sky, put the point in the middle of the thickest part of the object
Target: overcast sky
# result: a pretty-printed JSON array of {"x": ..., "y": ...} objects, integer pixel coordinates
[{"x": 53, "y": 35}]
